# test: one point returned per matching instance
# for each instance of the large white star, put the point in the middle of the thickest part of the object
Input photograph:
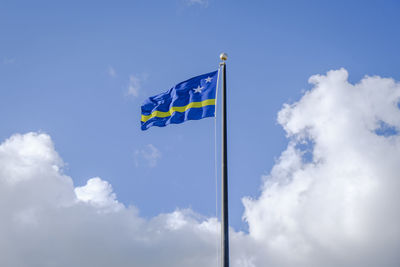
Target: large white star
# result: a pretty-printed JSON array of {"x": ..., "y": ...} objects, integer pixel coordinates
[
  {"x": 198, "y": 89},
  {"x": 208, "y": 79}
]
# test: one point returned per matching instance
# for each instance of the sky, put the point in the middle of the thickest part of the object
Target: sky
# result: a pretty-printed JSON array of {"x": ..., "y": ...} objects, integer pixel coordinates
[{"x": 313, "y": 133}]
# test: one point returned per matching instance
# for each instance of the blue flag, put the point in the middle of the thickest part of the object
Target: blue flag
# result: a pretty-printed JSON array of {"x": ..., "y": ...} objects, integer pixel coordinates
[{"x": 193, "y": 99}]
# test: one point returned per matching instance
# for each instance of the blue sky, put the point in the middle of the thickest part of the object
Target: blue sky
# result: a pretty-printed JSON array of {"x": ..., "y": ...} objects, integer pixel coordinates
[{"x": 66, "y": 69}]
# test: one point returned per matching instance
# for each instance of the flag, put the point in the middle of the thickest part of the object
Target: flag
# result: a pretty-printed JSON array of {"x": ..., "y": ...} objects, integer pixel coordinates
[{"x": 192, "y": 99}]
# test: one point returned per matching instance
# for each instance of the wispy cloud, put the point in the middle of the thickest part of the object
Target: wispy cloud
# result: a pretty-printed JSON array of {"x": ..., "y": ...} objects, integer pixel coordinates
[
  {"x": 203, "y": 3},
  {"x": 112, "y": 72},
  {"x": 150, "y": 154},
  {"x": 135, "y": 84}
]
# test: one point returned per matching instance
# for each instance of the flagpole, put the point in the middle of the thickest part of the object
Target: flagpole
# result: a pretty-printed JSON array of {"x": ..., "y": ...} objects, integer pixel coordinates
[{"x": 224, "y": 187}]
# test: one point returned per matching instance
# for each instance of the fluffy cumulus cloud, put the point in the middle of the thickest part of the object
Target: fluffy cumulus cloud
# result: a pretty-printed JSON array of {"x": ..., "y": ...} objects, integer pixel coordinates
[
  {"x": 45, "y": 221},
  {"x": 330, "y": 200},
  {"x": 99, "y": 193}
]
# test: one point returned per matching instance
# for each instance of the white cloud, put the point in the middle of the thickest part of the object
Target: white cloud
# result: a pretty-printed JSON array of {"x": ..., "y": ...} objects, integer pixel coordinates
[
  {"x": 99, "y": 193},
  {"x": 44, "y": 223},
  {"x": 150, "y": 154},
  {"x": 339, "y": 207}
]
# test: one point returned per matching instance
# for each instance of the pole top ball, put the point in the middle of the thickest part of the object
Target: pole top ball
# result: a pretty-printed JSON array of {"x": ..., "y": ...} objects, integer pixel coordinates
[{"x": 223, "y": 56}]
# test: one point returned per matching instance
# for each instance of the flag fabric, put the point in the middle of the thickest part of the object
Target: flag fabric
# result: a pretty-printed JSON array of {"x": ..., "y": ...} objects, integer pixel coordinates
[{"x": 192, "y": 99}]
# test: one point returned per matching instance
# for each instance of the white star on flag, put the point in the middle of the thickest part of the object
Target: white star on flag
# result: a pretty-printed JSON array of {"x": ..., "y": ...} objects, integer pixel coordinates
[
  {"x": 208, "y": 80},
  {"x": 198, "y": 89}
]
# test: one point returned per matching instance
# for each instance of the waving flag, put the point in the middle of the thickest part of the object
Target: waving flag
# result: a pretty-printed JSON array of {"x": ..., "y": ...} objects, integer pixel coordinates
[{"x": 192, "y": 99}]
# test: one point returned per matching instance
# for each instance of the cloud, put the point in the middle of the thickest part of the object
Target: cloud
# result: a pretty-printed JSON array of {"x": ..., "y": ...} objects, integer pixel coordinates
[
  {"x": 112, "y": 72},
  {"x": 99, "y": 193},
  {"x": 203, "y": 3},
  {"x": 150, "y": 154},
  {"x": 340, "y": 207},
  {"x": 331, "y": 199},
  {"x": 47, "y": 222},
  {"x": 134, "y": 85}
]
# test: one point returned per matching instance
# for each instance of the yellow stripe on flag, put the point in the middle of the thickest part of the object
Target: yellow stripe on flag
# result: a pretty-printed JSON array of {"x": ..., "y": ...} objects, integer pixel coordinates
[{"x": 162, "y": 114}]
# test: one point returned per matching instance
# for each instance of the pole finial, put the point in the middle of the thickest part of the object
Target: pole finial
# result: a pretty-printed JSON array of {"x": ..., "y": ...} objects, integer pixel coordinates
[{"x": 223, "y": 56}]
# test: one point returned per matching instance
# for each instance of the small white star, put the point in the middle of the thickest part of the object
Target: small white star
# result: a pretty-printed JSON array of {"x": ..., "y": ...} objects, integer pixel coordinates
[
  {"x": 208, "y": 80},
  {"x": 198, "y": 89}
]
